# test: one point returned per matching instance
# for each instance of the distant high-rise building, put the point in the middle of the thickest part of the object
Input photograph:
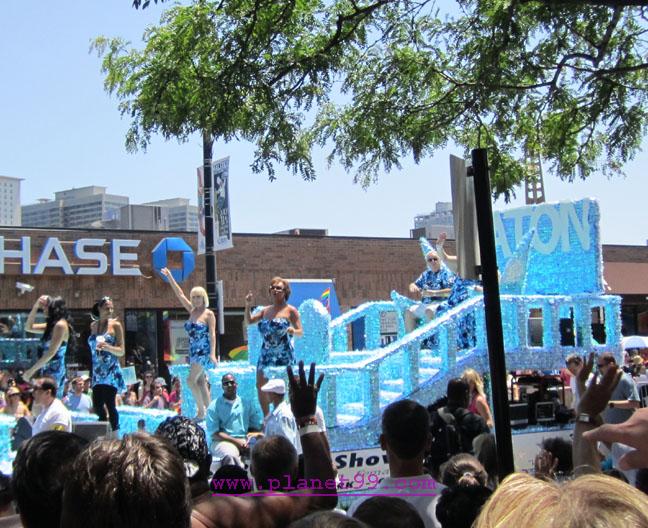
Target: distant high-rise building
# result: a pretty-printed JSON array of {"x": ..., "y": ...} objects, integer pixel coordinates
[
  {"x": 93, "y": 207},
  {"x": 9, "y": 201},
  {"x": 182, "y": 215},
  {"x": 139, "y": 218},
  {"x": 80, "y": 208},
  {"x": 435, "y": 223}
]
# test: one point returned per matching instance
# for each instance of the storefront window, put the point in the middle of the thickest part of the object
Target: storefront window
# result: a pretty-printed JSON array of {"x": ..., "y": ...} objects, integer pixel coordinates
[
  {"x": 234, "y": 339},
  {"x": 175, "y": 341},
  {"x": 141, "y": 336}
]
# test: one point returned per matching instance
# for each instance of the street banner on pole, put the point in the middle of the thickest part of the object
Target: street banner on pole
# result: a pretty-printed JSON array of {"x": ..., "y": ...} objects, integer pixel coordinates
[
  {"x": 222, "y": 223},
  {"x": 201, "y": 213}
]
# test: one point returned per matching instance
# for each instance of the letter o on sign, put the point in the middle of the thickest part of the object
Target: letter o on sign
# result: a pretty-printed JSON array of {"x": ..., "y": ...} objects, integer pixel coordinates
[{"x": 159, "y": 258}]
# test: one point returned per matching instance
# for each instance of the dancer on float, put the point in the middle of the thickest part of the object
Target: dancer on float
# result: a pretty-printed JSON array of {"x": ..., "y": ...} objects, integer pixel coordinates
[
  {"x": 201, "y": 329},
  {"x": 106, "y": 343},
  {"x": 478, "y": 402},
  {"x": 278, "y": 323},
  {"x": 58, "y": 336}
]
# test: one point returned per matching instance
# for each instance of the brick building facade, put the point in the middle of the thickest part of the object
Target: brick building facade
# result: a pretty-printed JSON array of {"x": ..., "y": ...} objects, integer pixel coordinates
[{"x": 363, "y": 269}]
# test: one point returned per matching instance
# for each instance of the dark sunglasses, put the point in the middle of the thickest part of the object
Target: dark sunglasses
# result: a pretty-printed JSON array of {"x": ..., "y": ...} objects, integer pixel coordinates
[
  {"x": 276, "y": 288},
  {"x": 228, "y": 383},
  {"x": 601, "y": 365}
]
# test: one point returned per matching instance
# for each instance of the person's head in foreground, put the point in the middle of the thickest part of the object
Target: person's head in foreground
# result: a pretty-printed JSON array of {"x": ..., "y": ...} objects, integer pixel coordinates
[
  {"x": 41, "y": 469},
  {"x": 405, "y": 430},
  {"x": 592, "y": 501},
  {"x": 273, "y": 458},
  {"x": 191, "y": 442},
  {"x": 388, "y": 512},
  {"x": 136, "y": 482},
  {"x": 463, "y": 470},
  {"x": 327, "y": 519}
]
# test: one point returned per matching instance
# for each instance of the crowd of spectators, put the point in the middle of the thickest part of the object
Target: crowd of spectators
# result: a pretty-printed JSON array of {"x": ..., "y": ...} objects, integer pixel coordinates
[
  {"x": 182, "y": 475},
  {"x": 16, "y": 395}
]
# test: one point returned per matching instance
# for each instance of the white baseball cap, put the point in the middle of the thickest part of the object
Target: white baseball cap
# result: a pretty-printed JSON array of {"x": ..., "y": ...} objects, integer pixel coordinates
[{"x": 277, "y": 385}]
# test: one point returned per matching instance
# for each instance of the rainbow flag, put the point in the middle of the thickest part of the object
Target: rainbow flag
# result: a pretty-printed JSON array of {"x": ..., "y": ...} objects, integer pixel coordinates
[
  {"x": 239, "y": 353},
  {"x": 325, "y": 298}
]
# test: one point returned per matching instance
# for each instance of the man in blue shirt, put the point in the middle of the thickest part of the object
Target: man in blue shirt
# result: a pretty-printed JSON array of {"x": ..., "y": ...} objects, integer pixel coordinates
[
  {"x": 625, "y": 397},
  {"x": 229, "y": 420},
  {"x": 433, "y": 285},
  {"x": 77, "y": 400}
]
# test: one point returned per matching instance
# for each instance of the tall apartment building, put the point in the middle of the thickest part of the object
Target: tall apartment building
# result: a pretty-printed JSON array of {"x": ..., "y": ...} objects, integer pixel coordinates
[
  {"x": 79, "y": 208},
  {"x": 432, "y": 224},
  {"x": 9, "y": 201},
  {"x": 182, "y": 215}
]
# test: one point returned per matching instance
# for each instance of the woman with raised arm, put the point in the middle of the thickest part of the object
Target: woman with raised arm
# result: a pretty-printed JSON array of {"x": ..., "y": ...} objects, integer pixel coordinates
[
  {"x": 278, "y": 323},
  {"x": 201, "y": 329},
  {"x": 58, "y": 334},
  {"x": 106, "y": 342}
]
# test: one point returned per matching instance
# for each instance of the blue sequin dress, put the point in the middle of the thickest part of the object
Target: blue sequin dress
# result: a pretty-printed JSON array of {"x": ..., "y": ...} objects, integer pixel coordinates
[
  {"x": 106, "y": 369},
  {"x": 55, "y": 367},
  {"x": 277, "y": 349},
  {"x": 199, "y": 348}
]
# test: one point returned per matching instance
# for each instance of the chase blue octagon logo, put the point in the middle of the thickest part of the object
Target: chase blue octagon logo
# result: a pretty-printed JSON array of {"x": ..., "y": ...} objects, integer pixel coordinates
[{"x": 159, "y": 257}]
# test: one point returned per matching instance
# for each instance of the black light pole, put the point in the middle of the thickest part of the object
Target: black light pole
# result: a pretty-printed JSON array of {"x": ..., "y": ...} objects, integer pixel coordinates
[
  {"x": 493, "y": 311},
  {"x": 210, "y": 255}
]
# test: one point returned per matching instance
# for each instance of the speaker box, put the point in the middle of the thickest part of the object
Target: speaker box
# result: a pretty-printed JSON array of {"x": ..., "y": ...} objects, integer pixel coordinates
[
  {"x": 519, "y": 414},
  {"x": 91, "y": 430},
  {"x": 544, "y": 412}
]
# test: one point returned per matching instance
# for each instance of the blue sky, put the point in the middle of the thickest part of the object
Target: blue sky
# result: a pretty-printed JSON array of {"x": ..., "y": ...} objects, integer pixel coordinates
[{"x": 59, "y": 129}]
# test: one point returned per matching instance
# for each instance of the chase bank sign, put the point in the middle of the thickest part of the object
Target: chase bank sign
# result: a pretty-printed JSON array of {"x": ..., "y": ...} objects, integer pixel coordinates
[{"x": 120, "y": 259}]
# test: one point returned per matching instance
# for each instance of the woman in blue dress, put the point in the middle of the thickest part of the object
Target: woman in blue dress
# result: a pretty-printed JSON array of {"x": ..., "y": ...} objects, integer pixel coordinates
[
  {"x": 106, "y": 342},
  {"x": 278, "y": 323},
  {"x": 201, "y": 329},
  {"x": 57, "y": 333}
]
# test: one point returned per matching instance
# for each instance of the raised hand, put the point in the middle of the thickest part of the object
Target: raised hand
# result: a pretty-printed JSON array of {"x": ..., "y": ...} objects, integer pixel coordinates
[
  {"x": 632, "y": 432},
  {"x": 596, "y": 397},
  {"x": 303, "y": 393}
]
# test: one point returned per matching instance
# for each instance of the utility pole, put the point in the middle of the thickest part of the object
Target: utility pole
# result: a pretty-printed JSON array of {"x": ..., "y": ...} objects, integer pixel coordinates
[
  {"x": 210, "y": 254},
  {"x": 493, "y": 312}
]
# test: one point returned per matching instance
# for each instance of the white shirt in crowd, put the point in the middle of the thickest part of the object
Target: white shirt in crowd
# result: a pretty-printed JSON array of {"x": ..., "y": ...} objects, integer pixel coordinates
[
  {"x": 54, "y": 417},
  {"x": 81, "y": 403},
  {"x": 281, "y": 422}
]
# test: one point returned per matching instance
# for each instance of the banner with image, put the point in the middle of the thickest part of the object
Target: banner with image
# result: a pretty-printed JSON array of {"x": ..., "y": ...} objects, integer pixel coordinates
[
  {"x": 219, "y": 207},
  {"x": 220, "y": 197}
]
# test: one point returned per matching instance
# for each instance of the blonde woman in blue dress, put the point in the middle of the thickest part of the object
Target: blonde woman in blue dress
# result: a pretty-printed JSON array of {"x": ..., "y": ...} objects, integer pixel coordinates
[
  {"x": 278, "y": 323},
  {"x": 201, "y": 329}
]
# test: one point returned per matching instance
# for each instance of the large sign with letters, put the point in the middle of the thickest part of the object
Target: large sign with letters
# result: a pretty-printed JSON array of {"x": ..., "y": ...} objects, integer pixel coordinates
[
  {"x": 92, "y": 256},
  {"x": 565, "y": 255}
]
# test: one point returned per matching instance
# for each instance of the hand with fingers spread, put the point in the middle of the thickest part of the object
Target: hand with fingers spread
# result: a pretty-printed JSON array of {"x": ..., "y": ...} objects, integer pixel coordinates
[
  {"x": 597, "y": 395},
  {"x": 303, "y": 393},
  {"x": 633, "y": 432}
]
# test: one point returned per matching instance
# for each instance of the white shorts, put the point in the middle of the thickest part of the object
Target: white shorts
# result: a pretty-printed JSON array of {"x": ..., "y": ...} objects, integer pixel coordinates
[{"x": 420, "y": 310}]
